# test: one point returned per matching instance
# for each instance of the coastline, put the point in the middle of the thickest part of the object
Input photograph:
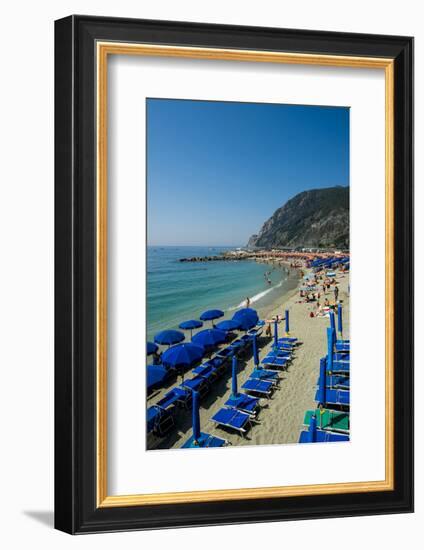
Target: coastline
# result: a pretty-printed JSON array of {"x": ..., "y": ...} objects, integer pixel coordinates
[{"x": 280, "y": 420}]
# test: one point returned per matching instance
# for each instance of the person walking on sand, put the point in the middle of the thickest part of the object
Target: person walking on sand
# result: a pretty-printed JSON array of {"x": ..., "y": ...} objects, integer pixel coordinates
[
  {"x": 247, "y": 302},
  {"x": 336, "y": 293}
]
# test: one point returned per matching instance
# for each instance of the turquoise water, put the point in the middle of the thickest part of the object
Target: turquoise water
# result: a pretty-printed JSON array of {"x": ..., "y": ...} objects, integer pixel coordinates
[{"x": 179, "y": 291}]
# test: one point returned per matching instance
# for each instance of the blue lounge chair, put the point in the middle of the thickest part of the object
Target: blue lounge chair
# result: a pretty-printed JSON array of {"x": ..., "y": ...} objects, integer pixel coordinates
[
  {"x": 210, "y": 377},
  {"x": 338, "y": 367},
  {"x": 240, "y": 401},
  {"x": 333, "y": 397},
  {"x": 226, "y": 353},
  {"x": 220, "y": 363},
  {"x": 173, "y": 397},
  {"x": 205, "y": 440},
  {"x": 278, "y": 353},
  {"x": 159, "y": 421},
  {"x": 284, "y": 346},
  {"x": 232, "y": 418},
  {"x": 243, "y": 402},
  {"x": 236, "y": 347},
  {"x": 336, "y": 381},
  {"x": 329, "y": 397},
  {"x": 259, "y": 387},
  {"x": 342, "y": 347},
  {"x": 314, "y": 435},
  {"x": 341, "y": 357},
  {"x": 276, "y": 362},
  {"x": 206, "y": 370},
  {"x": 287, "y": 340},
  {"x": 265, "y": 374},
  {"x": 198, "y": 383},
  {"x": 255, "y": 332}
]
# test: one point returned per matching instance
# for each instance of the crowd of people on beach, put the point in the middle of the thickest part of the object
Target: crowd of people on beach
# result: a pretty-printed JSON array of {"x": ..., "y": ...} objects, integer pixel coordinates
[{"x": 321, "y": 290}]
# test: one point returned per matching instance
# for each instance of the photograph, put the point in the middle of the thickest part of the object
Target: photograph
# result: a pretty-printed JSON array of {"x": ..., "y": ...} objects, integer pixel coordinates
[{"x": 248, "y": 270}]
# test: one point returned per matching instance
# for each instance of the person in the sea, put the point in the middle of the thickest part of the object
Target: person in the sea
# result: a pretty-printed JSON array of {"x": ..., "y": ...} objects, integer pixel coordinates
[{"x": 247, "y": 301}]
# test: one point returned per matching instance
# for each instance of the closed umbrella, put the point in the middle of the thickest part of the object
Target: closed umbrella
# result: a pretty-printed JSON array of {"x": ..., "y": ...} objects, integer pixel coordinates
[
  {"x": 196, "y": 418},
  {"x": 330, "y": 348},
  {"x": 287, "y": 322},
  {"x": 321, "y": 397},
  {"x": 234, "y": 389},
  {"x": 276, "y": 333},
  {"x": 332, "y": 321}
]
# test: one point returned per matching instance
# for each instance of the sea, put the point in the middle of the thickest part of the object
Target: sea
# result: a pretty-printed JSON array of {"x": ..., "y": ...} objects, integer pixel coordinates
[{"x": 179, "y": 291}]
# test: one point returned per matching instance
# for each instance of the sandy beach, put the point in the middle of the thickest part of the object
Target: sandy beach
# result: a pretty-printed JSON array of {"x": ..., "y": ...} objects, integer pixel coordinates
[{"x": 280, "y": 418}]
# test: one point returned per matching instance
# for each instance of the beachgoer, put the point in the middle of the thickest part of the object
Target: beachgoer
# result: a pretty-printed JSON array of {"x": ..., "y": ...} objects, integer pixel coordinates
[
  {"x": 247, "y": 302},
  {"x": 268, "y": 330},
  {"x": 336, "y": 292},
  {"x": 326, "y": 303}
]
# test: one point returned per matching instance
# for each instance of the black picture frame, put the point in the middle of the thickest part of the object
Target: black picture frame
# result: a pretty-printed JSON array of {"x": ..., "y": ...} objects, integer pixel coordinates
[{"x": 75, "y": 275}]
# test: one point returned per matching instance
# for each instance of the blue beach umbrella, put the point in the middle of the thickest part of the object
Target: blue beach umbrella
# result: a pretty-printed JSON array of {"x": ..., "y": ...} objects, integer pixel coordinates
[
  {"x": 247, "y": 317},
  {"x": 246, "y": 322},
  {"x": 209, "y": 337},
  {"x": 151, "y": 348},
  {"x": 182, "y": 356},
  {"x": 340, "y": 319},
  {"x": 255, "y": 352},
  {"x": 287, "y": 322},
  {"x": 211, "y": 314},
  {"x": 156, "y": 375},
  {"x": 190, "y": 325},
  {"x": 228, "y": 325},
  {"x": 169, "y": 337},
  {"x": 246, "y": 311}
]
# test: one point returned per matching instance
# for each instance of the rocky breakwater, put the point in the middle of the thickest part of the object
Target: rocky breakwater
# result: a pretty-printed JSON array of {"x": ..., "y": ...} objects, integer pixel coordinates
[{"x": 227, "y": 257}]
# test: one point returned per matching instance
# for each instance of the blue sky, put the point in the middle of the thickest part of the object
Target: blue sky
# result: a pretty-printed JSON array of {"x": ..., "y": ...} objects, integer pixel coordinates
[{"x": 217, "y": 171}]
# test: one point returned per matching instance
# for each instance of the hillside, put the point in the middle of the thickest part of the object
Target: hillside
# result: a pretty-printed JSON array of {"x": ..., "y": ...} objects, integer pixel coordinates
[{"x": 315, "y": 218}]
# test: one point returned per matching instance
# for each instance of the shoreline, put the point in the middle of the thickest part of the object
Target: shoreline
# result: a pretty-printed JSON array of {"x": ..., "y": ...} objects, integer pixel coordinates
[{"x": 280, "y": 420}]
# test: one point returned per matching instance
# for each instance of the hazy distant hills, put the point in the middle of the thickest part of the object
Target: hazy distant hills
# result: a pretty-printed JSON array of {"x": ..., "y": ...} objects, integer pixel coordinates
[{"x": 315, "y": 218}]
